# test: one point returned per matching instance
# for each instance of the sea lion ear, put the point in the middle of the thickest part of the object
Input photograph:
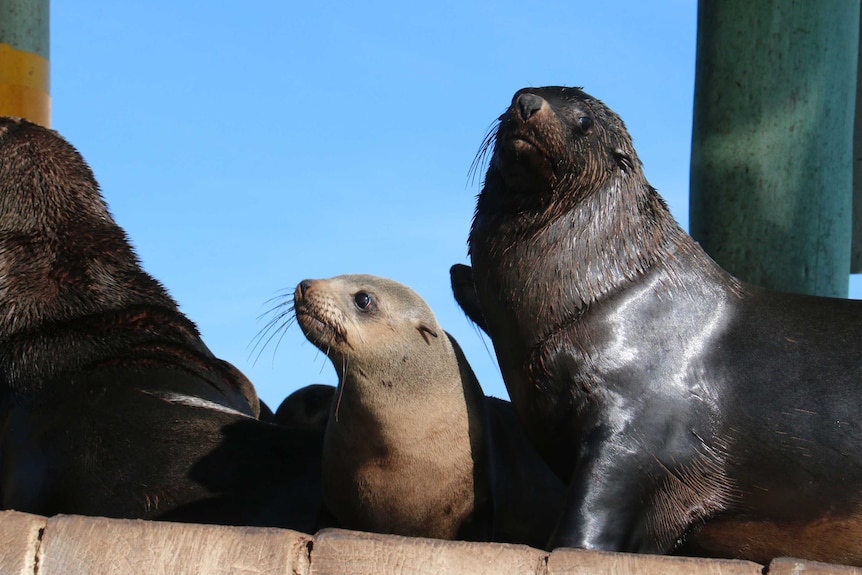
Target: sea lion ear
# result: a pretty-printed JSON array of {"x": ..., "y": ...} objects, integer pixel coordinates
[
  {"x": 425, "y": 330},
  {"x": 623, "y": 160}
]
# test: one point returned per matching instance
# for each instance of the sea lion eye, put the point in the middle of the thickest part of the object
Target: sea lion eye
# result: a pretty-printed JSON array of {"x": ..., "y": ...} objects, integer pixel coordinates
[
  {"x": 585, "y": 123},
  {"x": 362, "y": 300}
]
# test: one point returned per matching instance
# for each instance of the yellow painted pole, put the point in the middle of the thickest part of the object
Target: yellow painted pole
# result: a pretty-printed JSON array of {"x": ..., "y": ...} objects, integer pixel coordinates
[{"x": 25, "y": 86}]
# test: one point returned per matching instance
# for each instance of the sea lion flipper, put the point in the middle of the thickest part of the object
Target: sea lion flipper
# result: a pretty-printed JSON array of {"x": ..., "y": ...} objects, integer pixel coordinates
[{"x": 239, "y": 380}]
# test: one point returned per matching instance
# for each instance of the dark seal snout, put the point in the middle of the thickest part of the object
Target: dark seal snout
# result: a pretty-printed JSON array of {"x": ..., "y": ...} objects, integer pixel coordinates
[
  {"x": 528, "y": 104},
  {"x": 302, "y": 288}
]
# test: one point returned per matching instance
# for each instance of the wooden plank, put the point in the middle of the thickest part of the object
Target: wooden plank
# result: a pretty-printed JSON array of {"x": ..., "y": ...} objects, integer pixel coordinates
[
  {"x": 583, "y": 562},
  {"x": 84, "y": 545},
  {"x": 791, "y": 566},
  {"x": 337, "y": 551},
  {"x": 19, "y": 542}
]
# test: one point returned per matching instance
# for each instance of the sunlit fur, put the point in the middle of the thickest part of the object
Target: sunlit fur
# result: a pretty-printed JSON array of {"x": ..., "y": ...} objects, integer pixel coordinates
[
  {"x": 674, "y": 399},
  {"x": 404, "y": 450}
]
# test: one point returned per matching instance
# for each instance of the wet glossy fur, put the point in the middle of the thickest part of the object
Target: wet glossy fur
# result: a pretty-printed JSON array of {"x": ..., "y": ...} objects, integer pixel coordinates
[{"x": 687, "y": 411}]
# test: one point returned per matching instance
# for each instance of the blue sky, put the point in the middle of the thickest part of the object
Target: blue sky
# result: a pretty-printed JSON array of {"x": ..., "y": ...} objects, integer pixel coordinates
[{"x": 247, "y": 146}]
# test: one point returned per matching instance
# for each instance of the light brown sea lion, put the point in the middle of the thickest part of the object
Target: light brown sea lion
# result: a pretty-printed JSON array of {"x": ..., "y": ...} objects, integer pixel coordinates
[
  {"x": 404, "y": 449},
  {"x": 372, "y": 328}
]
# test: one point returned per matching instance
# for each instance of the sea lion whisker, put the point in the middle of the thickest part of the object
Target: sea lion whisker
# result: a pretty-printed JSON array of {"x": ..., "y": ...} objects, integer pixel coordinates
[
  {"x": 480, "y": 160},
  {"x": 275, "y": 322},
  {"x": 285, "y": 294},
  {"x": 286, "y": 300},
  {"x": 283, "y": 331},
  {"x": 274, "y": 328},
  {"x": 325, "y": 354},
  {"x": 484, "y": 337},
  {"x": 345, "y": 363}
]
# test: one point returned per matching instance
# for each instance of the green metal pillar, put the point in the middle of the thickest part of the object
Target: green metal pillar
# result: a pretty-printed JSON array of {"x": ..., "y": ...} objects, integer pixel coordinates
[
  {"x": 856, "y": 251},
  {"x": 24, "y": 57},
  {"x": 772, "y": 141}
]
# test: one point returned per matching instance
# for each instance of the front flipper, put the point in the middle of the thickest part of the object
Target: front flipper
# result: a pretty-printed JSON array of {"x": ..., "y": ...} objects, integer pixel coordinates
[
  {"x": 605, "y": 502},
  {"x": 643, "y": 496}
]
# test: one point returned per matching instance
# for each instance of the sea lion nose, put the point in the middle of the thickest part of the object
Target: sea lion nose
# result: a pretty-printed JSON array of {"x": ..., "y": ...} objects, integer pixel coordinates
[
  {"x": 304, "y": 286},
  {"x": 528, "y": 104}
]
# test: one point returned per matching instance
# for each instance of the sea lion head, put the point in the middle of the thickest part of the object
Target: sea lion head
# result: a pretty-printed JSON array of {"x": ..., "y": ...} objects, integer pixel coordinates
[
  {"x": 552, "y": 147},
  {"x": 364, "y": 318},
  {"x": 565, "y": 215}
]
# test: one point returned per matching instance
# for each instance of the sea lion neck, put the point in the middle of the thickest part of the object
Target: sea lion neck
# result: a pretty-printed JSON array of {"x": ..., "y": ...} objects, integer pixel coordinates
[
  {"x": 397, "y": 367},
  {"x": 566, "y": 216},
  {"x": 556, "y": 269}
]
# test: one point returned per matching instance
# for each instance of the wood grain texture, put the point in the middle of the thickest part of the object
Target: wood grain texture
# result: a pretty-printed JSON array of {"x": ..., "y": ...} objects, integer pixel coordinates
[
  {"x": 19, "y": 542},
  {"x": 82, "y": 545},
  {"x": 338, "y": 551},
  {"x": 791, "y": 566},
  {"x": 583, "y": 562}
]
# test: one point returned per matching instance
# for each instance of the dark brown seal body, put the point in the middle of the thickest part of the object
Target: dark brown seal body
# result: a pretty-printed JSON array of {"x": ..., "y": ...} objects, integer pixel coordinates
[
  {"x": 686, "y": 409},
  {"x": 404, "y": 448},
  {"x": 109, "y": 399},
  {"x": 306, "y": 408}
]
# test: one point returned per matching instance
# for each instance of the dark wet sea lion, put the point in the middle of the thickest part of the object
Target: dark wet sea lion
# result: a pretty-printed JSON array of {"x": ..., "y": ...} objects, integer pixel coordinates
[
  {"x": 260, "y": 474},
  {"x": 528, "y": 497},
  {"x": 688, "y": 411},
  {"x": 404, "y": 448},
  {"x": 108, "y": 395},
  {"x": 306, "y": 408}
]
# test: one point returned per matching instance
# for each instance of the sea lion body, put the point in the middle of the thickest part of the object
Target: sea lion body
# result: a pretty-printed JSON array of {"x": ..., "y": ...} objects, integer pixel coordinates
[
  {"x": 306, "y": 408},
  {"x": 528, "y": 497},
  {"x": 685, "y": 409},
  {"x": 108, "y": 396},
  {"x": 404, "y": 448}
]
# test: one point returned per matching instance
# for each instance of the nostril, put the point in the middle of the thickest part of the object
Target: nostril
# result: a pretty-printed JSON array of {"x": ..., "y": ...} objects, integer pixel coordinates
[
  {"x": 528, "y": 104},
  {"x": 304, "y": 285}
]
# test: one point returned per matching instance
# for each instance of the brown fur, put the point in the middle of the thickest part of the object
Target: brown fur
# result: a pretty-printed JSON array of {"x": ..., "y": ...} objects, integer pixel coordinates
[
  {"x": 108, "y": 395},
  {"x": 404, "y": 449},
  {"x": 62, "y": 258},
  {"x": 830, "y": 539}
]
